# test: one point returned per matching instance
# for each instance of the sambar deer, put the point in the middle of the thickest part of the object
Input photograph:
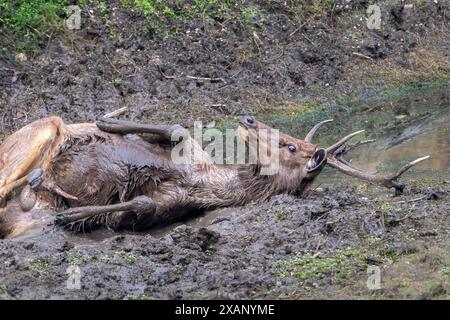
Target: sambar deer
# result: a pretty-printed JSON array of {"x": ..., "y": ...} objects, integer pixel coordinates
[{"x": 119, "y": 174}]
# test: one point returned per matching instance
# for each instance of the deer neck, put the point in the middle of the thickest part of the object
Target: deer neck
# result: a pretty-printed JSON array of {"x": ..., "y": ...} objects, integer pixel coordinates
[{"x": 234, "y": 185}]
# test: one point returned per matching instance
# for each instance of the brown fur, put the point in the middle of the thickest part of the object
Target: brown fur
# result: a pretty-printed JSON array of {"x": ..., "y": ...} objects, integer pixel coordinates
[{"x": 100, "y": 168}]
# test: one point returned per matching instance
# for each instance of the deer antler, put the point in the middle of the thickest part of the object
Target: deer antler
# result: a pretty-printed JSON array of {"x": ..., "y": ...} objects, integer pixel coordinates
[
  {"x": 314, "y": 129},
  {"x": 335, "y": 160}
]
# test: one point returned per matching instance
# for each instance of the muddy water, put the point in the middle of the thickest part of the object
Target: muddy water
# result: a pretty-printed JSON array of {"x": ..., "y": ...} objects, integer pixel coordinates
[
  {"x": 416, "y": 126},
  {"x": 202, "y": 220},
  {"x": 406, "y": 125}
]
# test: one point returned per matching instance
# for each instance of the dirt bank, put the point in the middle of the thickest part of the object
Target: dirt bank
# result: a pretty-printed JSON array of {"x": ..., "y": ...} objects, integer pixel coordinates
[{"x": 260, "y": 57}]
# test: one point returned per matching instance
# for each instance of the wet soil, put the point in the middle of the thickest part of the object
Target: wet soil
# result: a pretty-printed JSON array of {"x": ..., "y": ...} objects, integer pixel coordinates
[
  {"x": 316, "y": 246},
  {"x": 212, "y": 70},
  {"x": 253, "y": 252}
]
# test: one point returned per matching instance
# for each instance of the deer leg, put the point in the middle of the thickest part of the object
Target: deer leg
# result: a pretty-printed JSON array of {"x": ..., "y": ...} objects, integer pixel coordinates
[
  {"x": 164, "y": 133},
  {"x": 35, "y": 180},
  {"x": 32, "y": 146},
  {"x": 126, "y": 127},
  {"x": 137, "y": 212}
]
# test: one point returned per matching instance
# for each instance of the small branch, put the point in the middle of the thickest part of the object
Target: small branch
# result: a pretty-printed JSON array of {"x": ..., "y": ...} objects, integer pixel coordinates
[
  {"x": 112, "y": 65},
  {"x": 166, "y": 76},
  {"x": 116, "y": 113},
  {"x": 206, "y": 79},
  {"x": 412, "y": 200},
  {"x": 362, "y": 56},
  {"x": 299, "y": 28}
]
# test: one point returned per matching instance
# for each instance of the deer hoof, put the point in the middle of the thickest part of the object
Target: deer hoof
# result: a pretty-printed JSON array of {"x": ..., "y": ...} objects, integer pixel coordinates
[
  {"x": 35, "y": 178},
  {"x": 61, "y": 218},
  {"x": 27, "y": 198},
  {"x": 399, "y": 189}
]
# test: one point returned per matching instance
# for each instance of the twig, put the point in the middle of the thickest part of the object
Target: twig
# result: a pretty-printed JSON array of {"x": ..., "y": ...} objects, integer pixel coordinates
[
  {"x": 116, "y": 113},
  {"x": 362, "y": 56},
  {"x": 258, "y": 43},
  {"x": 217, "y": 105},
  {"x": 404, "y": 218},
  {"x": 166, "y": 76},
  {"x": 112, "y": 65},
  {"x": 299, "y": 28},
  {"x": 412, "y": 200},
  {"x": 206, "y": 79},
  {"x": 309, "y": 40},
  {"x": 257, "y": 39}
]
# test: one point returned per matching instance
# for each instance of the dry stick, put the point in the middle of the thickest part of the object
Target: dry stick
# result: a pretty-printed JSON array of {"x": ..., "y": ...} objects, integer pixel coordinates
[
  {"x": 189, "y": 77},
  {"x": 362, "y": 56},
  {"x": 112, "y": 65},
  {"x": 166, "y": 76},
  {"x": 299, "y": 28},
  {"x": 116, "y": 113},
  {"x": 412, "y": 200},
  {"x": 206, "y": 79},
  {"x": 309, "y": 40},
  {"x": 258, "y": 42}
]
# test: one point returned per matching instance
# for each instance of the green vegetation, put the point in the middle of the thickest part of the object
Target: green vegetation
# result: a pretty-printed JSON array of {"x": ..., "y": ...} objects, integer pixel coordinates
[
  {"x": 78, "y": 258},
  {"x": 28, "y": 25},
  {"x": 210, "y": 251},
  {"x": 7, "y": 263},
  {"x": 116, "y": 82},
  {"x": 308, "y": 267},
  {"x": 31, "y": 22},
  {"x": 38, "y": 266},
  {"x": 127, "y": 256}
]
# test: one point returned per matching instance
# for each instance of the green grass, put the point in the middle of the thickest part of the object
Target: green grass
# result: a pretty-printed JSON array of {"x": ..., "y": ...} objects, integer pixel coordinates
[
  {"x": 342, "y": 265},
  {"x": 38, "y": 266},
  {"x": 31, "y": 22},
  {"x": 127, "y": 256}
]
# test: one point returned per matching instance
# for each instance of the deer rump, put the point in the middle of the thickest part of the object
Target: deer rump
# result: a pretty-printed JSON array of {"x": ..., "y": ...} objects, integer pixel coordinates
[
  {"x": 119, "y": 174},
  {"x": 48, "y": 165}
]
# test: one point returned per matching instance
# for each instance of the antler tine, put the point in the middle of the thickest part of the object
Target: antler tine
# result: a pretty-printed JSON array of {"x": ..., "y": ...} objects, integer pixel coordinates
[
  {"x": 407, "y": 166},
  {"x": 314, "y": 129},
  {"x": 335, "y": 146},
  {"x": 348, "y": 147}
]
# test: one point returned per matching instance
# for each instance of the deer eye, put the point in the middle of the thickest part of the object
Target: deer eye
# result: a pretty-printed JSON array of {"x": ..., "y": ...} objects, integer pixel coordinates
[{"x": 292, "y": 148}]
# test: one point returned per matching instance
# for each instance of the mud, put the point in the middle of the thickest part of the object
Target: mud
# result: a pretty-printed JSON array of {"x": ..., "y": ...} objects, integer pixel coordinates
[
  {"x": 213, "y": 70},
  {"x": 317, "y": 246},
  {"x": 250, "y": 252}
]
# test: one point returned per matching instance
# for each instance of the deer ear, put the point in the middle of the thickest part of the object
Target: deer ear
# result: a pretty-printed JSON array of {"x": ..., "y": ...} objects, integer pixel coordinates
[{"x": 317, "y": 161}]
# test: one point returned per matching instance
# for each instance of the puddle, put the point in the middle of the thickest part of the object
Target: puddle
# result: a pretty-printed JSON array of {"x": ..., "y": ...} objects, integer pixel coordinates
[
  {"x": 407, "y": 126},
  {"x": 202, "y": 220}
]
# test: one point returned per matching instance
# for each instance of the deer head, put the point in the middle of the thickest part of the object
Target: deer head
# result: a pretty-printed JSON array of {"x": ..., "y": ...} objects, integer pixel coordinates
[{"x": 300, "y": 161}]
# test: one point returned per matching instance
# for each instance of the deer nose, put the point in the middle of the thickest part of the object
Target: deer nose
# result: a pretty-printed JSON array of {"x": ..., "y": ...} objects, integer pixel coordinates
[{"x": 248, "y": 120}]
